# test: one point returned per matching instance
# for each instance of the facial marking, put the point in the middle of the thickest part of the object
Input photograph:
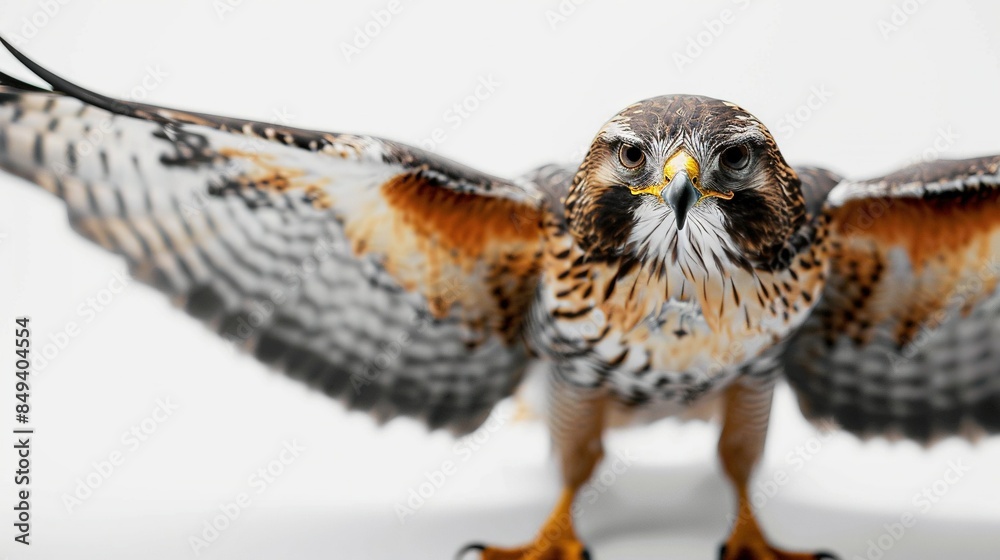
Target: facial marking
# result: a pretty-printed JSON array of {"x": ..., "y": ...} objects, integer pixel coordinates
[
  {"x": 684, "y": 138},
  {"x": 681, "y": 162}
]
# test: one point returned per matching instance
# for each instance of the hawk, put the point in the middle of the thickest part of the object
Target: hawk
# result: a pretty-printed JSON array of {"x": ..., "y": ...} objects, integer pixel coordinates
[{"x": 683, "y": 261}]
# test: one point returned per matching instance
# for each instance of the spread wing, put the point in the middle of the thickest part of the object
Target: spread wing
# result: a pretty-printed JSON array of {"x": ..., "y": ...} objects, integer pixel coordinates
[
  {"x": 904, "y": 339},
  {"x": 388, "y": 277}
]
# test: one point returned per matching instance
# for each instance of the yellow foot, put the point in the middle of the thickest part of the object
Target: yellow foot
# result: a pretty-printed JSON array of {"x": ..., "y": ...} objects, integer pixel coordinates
[
  {"x": 556, "y": 541},
  {"x": 760, "y": 550},
  {"x": 541, "y": 549},
  {"x": 747, "y": 542}
]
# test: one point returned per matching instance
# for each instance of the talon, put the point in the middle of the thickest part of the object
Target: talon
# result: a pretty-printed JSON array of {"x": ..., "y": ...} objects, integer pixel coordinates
[
  {"x": 757, "y": 548},
  {"x": 765, "y": 552},
  {"x": 474, "y": 546},
  {"x": 747, "y": 542},
  {"x": 559, "y": 550}
]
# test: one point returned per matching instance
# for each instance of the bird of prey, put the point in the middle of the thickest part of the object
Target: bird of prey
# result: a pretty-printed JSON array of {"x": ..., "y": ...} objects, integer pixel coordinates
[{"x": 682, "y": 261}]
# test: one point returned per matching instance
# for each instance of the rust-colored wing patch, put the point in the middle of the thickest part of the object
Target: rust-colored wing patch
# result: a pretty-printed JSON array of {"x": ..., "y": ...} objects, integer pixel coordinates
[
  {"x": 950, "y": 243},
  {"x": 926, "y": 227},
  {"x": 902, "y": 340},
  {"x": 468, "y": 223},
  {"x": 478, "y": 253},
  {"x": 325, "y": 254},
  {"x": 265, "y": 172}
]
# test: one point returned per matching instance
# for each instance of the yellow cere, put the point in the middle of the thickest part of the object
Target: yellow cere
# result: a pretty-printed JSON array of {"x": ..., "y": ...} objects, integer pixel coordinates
[{"x": 681, "y": 161}]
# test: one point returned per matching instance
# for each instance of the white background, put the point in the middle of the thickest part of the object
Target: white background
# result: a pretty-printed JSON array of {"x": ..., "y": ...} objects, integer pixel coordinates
[{"x": 932, "y": 84}]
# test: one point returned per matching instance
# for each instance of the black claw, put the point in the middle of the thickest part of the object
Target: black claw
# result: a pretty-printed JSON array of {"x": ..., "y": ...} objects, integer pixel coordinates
[
  {"x": 474, "y": 546},
  {"x": 824, "y": 555},
  {"x": 585, "y": 555}
]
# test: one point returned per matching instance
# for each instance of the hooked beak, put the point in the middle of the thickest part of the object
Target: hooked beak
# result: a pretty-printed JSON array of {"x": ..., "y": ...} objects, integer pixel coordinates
[
  {"x": 678, "y": 189},
  {"x": 681, "y": 195}
]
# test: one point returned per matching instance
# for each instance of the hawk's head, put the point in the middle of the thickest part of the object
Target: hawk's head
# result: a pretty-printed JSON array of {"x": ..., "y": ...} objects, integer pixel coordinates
[{"x": 682, "y": 176}]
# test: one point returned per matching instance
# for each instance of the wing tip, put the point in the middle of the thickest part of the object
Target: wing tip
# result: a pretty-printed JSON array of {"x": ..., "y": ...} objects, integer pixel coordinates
[
  {"x": 10, "y": 81},
  {"x": 31, "y": 65},
  {"x": 64, "y": 86}
]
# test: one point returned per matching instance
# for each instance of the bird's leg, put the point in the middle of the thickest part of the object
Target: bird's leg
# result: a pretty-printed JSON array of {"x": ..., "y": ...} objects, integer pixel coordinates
[
  {"x": 576, "y": 420},
  {"x": 747, "y": 410}
]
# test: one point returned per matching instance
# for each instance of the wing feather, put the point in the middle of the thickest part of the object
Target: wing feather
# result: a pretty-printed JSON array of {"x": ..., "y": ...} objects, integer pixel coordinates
[
  {"x": 902, "y": 341},
  {"x": 388, "y": 277}
]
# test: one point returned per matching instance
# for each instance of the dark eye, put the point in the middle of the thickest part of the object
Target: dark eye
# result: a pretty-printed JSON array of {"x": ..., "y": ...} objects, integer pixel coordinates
[
  {"x": 736, "y": 158},
  {"x": 631, "y": 156}
]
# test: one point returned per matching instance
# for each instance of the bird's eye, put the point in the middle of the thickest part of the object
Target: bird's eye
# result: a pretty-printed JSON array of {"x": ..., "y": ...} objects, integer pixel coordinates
[
  {"x": 631, "y": 156},
  {"x": 736, "y": 158}
]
